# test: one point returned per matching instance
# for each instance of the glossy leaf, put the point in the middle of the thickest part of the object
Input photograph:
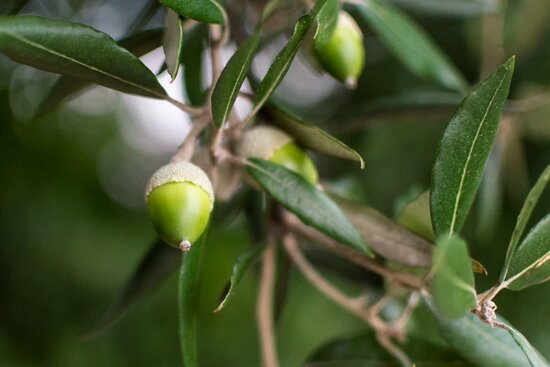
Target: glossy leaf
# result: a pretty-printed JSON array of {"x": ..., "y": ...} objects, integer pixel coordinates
[
  {"x": 159, "y": 263},
  {"x": 241, "y": 265},
  {"x": 311, "y": 205},
  {"x": 526, "y": 211},
  {"x": 207, "y": 11},
  {"x": 194, "y": 43},
  {"x": 410, "y": 44},
  {"x": 326, "y": 23},
  {"x": 464, "y": 149},
  {"x": 232, "y": 78},
  {"x": 530, "y": 263},
  {"x": 310, "y": 136},
  {"x": 283, "y": 60},
  {"x": 67, "y": 87},
  {"x": 482, "y": 344},
  {"x": 188, "y": 302},
  {"x": 172, "y": 42},
  {"x": 452, "y": 285},
  {"x": 386, "y": 237},
  {"x": 76, "y": 50}
]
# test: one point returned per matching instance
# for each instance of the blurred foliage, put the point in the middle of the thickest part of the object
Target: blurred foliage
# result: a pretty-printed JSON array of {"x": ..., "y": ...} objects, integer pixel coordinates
[{"x": 68, "y": 244}]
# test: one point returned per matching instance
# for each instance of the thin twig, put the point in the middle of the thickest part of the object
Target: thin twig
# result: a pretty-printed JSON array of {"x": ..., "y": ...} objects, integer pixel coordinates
[
  {"x": 264, "y": 311},
  {"x": 386, "y": 342},
  {"x": 350, "y": 254},
  {"x": 187, "y": 148},
  {"x": 193, "y": 111}
]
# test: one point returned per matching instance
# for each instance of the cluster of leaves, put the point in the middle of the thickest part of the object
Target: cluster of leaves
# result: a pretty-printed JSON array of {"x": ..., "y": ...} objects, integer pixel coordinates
[{"x": 85, "y": 56}]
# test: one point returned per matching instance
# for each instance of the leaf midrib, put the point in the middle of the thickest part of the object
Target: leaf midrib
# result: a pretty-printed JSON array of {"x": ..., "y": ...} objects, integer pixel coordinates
[
  {"x": 58, "y": 54},
  {"x": 469, "y": 157}
]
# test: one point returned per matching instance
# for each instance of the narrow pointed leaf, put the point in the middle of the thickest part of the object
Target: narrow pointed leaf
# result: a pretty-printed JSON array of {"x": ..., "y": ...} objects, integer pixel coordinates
[
  {"x": 534, "y": 357},
  {"x": 482, "y": 344},
  {"x": 159, "y": 263},
  {"x": 386, "y": 237},
  {"x": 452, "y": 285},
  {"x": 242, "y": 264},
  {"x": 67, "y": 87},
  {"x": 207, "y": 11},
  {"x": 326, "y": 22},
  {"x": 172, "y": 42},
  {"x": 410, "y": 44},
  {"x": 188, "y": 302},
  {"x": 194, "y": 41},
  {"x": 530, "y": 263},
  {"x": 232, "y": 78},
  {"x": 526, "y": 211},
  {"x": 311, "y": 205},
  {"x": 464, "y": 149},
  {"x": 283, "y": 60},
  {"x": 76, "y": 50},
  {"x": 310, "y": 136}
]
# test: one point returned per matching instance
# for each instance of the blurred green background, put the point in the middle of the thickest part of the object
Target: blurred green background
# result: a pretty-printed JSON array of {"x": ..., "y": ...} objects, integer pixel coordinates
[{"x": 73, "y": 227}]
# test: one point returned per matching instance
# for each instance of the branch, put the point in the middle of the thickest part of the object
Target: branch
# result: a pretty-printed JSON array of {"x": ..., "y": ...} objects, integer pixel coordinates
[
  {"x": 187, "y": 148},
  {"x": 264, "y": 311}
]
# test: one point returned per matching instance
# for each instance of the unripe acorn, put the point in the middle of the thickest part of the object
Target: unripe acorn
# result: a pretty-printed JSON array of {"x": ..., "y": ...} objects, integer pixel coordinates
[
  {"x": 276, "y": 146},
  {"x": 180, "y": 198},
  {"x": 343, "y": 55}
]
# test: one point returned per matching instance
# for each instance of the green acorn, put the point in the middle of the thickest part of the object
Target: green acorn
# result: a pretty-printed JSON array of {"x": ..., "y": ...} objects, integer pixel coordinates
[
  {"x": 180, "y": 199},
  {"x": 343, "y": 55},
  {"x": 276, "y": 146}
]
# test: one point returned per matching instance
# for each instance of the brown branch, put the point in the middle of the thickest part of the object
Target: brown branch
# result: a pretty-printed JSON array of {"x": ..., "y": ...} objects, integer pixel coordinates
[
  {"x": 187, "y": 148},
  {"x": 264, "y": 311}
]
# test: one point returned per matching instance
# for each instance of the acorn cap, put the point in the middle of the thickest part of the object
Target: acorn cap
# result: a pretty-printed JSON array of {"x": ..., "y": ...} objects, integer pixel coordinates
[
  {"x": 180, "y": 172},
  {"x": 262, "y": 141}
]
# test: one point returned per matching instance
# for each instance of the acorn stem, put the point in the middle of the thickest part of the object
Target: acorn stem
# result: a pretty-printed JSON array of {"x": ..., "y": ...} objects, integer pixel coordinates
[{"x": 185, "y": 246}]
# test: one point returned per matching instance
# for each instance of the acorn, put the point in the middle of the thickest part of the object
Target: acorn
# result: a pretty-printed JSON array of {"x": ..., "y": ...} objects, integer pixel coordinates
[
  {"x": 274, "y": 145},
  {"x": 180, "y": 199},
  {"x": 343, "y": 56}
]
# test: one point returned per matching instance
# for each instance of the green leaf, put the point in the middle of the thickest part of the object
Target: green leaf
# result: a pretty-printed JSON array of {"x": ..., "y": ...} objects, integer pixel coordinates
[
  {"x": 452, "y": 285},
  {"x": 172, "y": 42},
  {"x": 534, "y": 357},
  {"x": 188, "y": 301},
  {"x": 416, "y": 217},
  {"x": 312, "y": 206},
  {"x": 526, "y": 211},
  {"x": 283, "y": 60},
  {"x": 386, "y": 237},
  {"x": 67, "y": 87},
  {"x": 464, "y": 149},
  {"x": 207, "y": 11},
  {"x": 410, "y": 44},
  {"x": 530, "y": 263},
  {"x": 482, "y": 344},
  {"x": 194, "y": 42},
  {"x": 326, "y": 23},
  {"x": 241, "y": 265},
  {"x": 310, "y": 136},
  {"x": 232, "y": 78},
  {"x": 160, "y": 261},
  {"x": 76, "y": 50}
]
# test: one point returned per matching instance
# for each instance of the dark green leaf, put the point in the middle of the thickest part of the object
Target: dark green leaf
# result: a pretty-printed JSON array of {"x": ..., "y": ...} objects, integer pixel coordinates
[
  {"x": 310, "y": 136},
  {"x": 386, "y": 237},
  {"x": 241, "y": 265},
  {"x": 410, "y": 44},
  {"x": 194, "y": 42},
  {"x": 526, "y": 211},
  {"x": 232, "y": 78},
  {"x": 452, "y": 285},
  {"x": 312, "y": 206},
  {"x": 18, "y": 5},
  {"x": 76, "y": 50},
  {"x": 326, "y": 22},
  {"x": 207, "y": 11},
  {"x": 283, "y": 60},
  {"x": 464, "y": 149},
  {"x": 530, "y": 263},
  {"x": 67, "y": 87},
  {"x": 188, "y": 301},
  {"x": 159, "y": 262},
  {"x": 482, "y": 344},
  {"x": 172, "y": 42},
  {"x": 448, "y": 8},
  {"x": 534, "y": 357}
]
